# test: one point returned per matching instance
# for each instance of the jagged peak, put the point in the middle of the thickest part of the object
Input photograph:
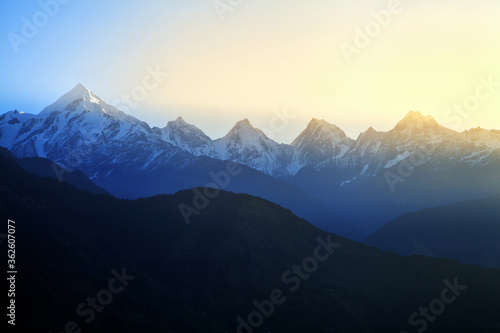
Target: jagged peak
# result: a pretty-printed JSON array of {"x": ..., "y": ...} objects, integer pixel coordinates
[
  {"x": 370, "y": 132},
  {"x": 319, "y": 130},
  {"x": 179, "y": 124},
  {"x": 81, "y": 98},
  {"x": 416, "y": 116},
  {"x": 179, "y": 121},
  {"x": 79, "y": 92},
  {"x": 315, "y": 123},
  {"x": 244, "y": 122},
  {"x": 244, "y": 125},
  {"x": 244, "y": 129},
  {"x": 80, "y": 87}
]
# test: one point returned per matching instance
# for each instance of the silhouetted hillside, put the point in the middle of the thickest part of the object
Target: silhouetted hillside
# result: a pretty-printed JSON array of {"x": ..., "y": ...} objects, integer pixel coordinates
[
  {"x": 201, "y": 277},
  {"x": 468, "y": 231},
  {"x": 46, "y": 168}
]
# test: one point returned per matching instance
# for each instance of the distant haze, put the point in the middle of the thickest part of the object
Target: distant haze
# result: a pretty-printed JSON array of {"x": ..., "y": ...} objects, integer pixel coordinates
[{"x": 427, "y": 56}]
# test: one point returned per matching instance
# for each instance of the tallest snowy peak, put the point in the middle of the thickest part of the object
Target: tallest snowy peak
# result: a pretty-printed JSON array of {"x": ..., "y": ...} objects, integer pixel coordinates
[
  {"x": 80, "y": 89},
  {"x": 81, "y": 92},
  {"x": 80, "y": 98}
]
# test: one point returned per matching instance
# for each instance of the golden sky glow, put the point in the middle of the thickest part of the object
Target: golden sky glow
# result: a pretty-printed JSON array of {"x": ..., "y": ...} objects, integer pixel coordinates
[
  {"x": 429, "y": 57},
  {"x": 268, "y": 55}
]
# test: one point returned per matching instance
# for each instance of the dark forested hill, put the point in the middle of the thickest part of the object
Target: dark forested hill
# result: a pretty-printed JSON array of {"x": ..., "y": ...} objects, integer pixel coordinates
[
  {"x": 99, "y": 264},
  {"x": 468, "y": 231}
]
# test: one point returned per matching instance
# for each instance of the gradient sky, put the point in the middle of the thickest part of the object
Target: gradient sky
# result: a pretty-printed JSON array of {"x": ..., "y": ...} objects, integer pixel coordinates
[{"x": 264, "y": 56}]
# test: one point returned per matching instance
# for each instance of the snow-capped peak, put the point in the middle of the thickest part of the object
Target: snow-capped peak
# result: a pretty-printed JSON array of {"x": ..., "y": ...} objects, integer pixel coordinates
[
  {"x": 79, "y": 92},
  {"x": 416, "y": 120},
  {"x": 320, "y": 122},
  {"x": 179, "y": 122},
  {"x": 319, "y": 130},
  {"x": 81, "y": 98},
  {"x": 320, "y": 141},
  {"x": 244, "y": 130},
  {"x": 187, "y": 137},
  {"x": 415, "y": 127},
  {"x": 244, "y": 124},
  {"x": 480, "y": 136},
  {"x": 250, "y": 146}
]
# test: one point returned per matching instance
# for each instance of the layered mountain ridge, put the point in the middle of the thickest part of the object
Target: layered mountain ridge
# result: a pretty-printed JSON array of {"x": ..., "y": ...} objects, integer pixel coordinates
[
  {"x": 320, "y": 143},
  {"x": 128, "y": 158},
  {"x": 202, "y": 277}
]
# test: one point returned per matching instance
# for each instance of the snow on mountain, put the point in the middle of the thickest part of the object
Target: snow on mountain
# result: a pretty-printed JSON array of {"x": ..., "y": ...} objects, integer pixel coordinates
[
  {"x": 482, "y": 137},
  {"x": 368, "y": 153},
  {"x": 417, "y": 129},
  {"x": 187, "y": 137},
  {"x": 250, "y": 146},
  {"x": 12, "y": 121},
  {"x": 320, "y": 142},
  {"x": 439, "y": 145},
  {"x": 420, "y": 136},
  {"x": 81, "y": 98},
  {"x": 81, "y": 130}
]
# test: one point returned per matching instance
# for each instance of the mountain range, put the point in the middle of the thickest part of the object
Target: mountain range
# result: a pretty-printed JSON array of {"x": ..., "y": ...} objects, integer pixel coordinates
[
  {"x": 92, "y": 262},
  {"x": 417, "y": 164},
  {"x": 467, "y": 231}
]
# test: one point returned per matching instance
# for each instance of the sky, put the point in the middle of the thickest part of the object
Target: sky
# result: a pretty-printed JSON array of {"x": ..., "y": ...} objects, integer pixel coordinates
[{"x": 278, "y": 63}]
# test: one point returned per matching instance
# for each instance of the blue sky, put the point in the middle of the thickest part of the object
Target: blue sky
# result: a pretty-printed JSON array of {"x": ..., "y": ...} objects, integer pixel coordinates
[
  {"x": 261, "y": 57},
  {"x": 92, "y": 42}
]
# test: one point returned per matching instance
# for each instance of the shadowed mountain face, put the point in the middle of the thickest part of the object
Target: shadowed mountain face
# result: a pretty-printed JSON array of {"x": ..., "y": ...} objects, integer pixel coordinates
[
  {"x": 467, "y": 231},
  {"x": 201, "y": 277},
  {"x": 43, "y": 167}
]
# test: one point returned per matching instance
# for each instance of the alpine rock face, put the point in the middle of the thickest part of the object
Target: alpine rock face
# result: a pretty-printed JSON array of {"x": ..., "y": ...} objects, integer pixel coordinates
[
  {"x": 248, "y": 145},
  {"x": 187, "y": 137},
  {"x": 319, "y": 143},
  {"x": 422, "y": 138}
]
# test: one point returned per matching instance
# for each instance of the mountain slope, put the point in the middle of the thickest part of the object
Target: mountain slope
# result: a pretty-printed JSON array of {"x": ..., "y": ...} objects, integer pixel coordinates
[
  {"x": 45, "y": 168},
  {"x": 187, "y": 137},
  {"x": 320, "y": 142},
  {"x": 372, "y": 179},
  {"x": 128, "y": 159},
  {"x": 202, "y": 277},
  {"x": 418, "y": 164},
  {"x": 248, "y": 145},
  {"x": 467, "y": 231},
  {"x": 81, "y": 131},
  {"x": 205, "y": 171}
]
